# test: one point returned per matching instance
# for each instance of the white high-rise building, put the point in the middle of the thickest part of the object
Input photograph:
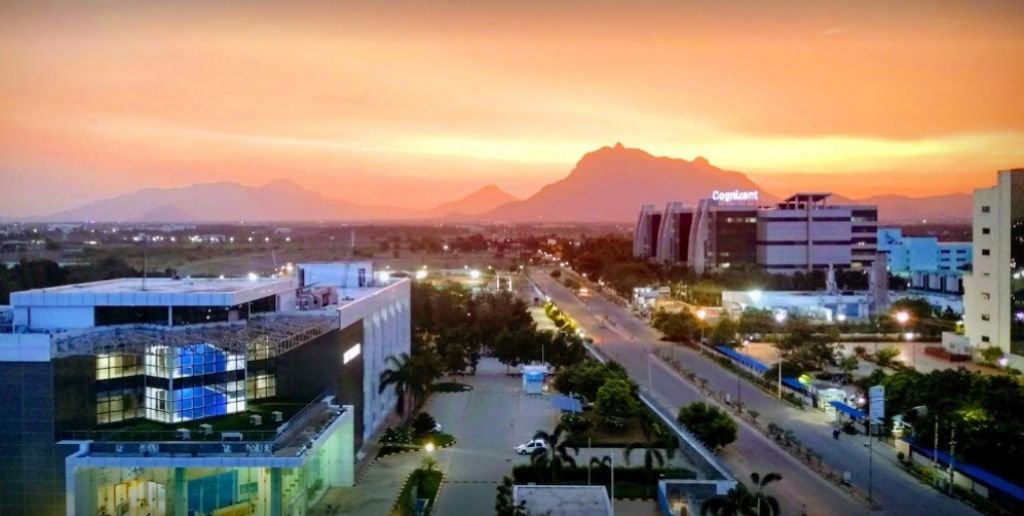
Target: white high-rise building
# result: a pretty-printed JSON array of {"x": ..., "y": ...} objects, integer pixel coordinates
[{"x": 994, "y": 315}]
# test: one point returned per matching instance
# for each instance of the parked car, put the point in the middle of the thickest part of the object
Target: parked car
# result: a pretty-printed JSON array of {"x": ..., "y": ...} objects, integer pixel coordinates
[{"x": 531, "y": 447}]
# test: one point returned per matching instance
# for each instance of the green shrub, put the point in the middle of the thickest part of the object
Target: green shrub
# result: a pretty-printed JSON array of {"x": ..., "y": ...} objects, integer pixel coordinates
[
  {"x": 576, "y": 423},
  {"x": 423, "y": 424},
  {"x": 450, "y": 387}
]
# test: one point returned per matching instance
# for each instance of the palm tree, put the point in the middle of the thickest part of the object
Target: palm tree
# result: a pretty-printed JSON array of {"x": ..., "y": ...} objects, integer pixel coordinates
[
  {"x": 555, "y": 456},
  {"x": 737, "y": 502},
  {"x": 767, "y": 505},
  {"x": 403, "y": 378},
  {"x": 654, "y": 434},
  {"x": 602, "y": 464}
]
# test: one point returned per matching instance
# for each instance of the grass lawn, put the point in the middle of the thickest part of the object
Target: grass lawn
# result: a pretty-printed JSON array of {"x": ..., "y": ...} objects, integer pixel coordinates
[
  {"x": 144, "y": 429},
  {"x": 427, "y": 484},
  {"x": 440, "y": 440}
]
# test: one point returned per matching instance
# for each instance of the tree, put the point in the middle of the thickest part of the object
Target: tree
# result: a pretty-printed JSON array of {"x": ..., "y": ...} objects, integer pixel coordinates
[
  {"x": 677, "y": 326},
  {"x": 848, "y": 365},
  {"x": 551, "y": 460},
  {"x": 886, "y": 356},
  {"x": 615, "y": 400},
  {"x": 809, "y": 346},
  {"x": 410, "y": 377},
  {"x": 504, "y": 504},
  {"x": 724, "y": 333},
  {"x": 712, "y": 426},
  {"x": 757, "y": 320},
  {"x": 401, "y": 377},
  {"x": 991, "y": 354},
  {"x": 588, "y": 376},
  {"x": 604, "y": 465},
  {"x": 655, "y": 435},
  {"x": 766, "y": 505},
  {"x": 423, "y": 424},
  {"x": 737, "y": 502}
]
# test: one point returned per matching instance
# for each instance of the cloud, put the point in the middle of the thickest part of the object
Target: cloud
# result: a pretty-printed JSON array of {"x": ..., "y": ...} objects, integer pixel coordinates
[{"x": 835, "y": 31}]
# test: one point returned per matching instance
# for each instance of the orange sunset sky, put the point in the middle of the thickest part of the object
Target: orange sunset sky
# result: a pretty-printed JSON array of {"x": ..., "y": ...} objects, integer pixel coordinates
[{"x": 415, "y": 103}]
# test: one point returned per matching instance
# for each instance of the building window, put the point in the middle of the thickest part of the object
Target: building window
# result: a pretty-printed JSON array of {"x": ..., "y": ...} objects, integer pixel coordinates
[
  {"x": 984, "y": 338},
  {"x": 986, "y": 209},
  {"x": 118, "y": 405},
  {"x": 260, "y": 386},
  {"x": 986, "y": 296},
  {"x": 985, "y": 252},
  {"x": 985, "y": 317},
  {"x": 117, "y": 366},
  {"x": 985, "y": 231}
]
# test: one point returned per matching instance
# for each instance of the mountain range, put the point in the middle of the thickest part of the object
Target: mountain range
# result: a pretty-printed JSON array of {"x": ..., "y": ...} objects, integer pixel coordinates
[{"x": 606, "y": 185}]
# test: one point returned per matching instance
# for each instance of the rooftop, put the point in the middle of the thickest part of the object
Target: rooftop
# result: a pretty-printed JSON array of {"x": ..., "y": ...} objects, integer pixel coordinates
[
  {"x": 564, "y": 500},
  {"x": 166, "y": 286}
]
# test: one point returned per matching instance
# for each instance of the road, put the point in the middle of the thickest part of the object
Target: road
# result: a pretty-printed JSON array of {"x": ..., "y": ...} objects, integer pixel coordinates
[{"x": 627, "y": 339}]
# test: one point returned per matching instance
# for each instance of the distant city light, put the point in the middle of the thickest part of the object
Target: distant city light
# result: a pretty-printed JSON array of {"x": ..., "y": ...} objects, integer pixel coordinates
[
  {"x": 841, "y": 318},
  {"x": 702, "y": 314},
  {"x": 421, "y": 274},
  {"x": 902, "y": 316},
  {"x": 755, "y": 295},
  {"x": 475, "y": 274},
  {"x": 253, "y": 276},
  {"x": 780, "y": 317}
]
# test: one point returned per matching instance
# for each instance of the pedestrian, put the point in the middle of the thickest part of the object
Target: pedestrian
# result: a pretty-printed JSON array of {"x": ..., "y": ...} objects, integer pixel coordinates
[{"x": 835, "y": 433}]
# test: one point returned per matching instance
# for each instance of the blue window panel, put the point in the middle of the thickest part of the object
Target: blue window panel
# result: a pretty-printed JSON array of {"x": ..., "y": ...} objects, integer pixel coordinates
[
  {"x": 194, "y": 495},
  {"x": 210, "y": 494}
]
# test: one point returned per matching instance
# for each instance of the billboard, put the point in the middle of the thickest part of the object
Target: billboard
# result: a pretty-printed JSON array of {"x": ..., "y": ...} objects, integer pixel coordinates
[{"x": 876, "y": 402}]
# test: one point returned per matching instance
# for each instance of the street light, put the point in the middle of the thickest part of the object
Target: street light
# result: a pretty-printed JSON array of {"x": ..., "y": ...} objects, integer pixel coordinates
[
  {"x": 780, "y": 317},
  {"x": 701, "y": 315},
  {"x": 903, "y": 317},
  {"x": 429, "y": 447}
]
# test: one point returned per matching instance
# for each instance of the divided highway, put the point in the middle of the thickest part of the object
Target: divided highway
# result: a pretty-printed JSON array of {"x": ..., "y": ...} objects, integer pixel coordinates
[{"x": 628, "y": 340}]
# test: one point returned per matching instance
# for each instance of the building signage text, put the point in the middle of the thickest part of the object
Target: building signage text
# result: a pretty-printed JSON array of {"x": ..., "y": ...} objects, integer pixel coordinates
[
  {"x": 351, "y": 354},
  {"x": 734, "y": 195}
]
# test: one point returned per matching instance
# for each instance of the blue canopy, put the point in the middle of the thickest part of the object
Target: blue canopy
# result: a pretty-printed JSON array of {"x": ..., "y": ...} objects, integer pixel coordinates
[
  {"x": 794, "y": 384},
  {"x": 975, "y": 472},
  {"x": 744, "y": 360},
  {"x": 566, "y": 404},
  {"x": 848, "y": 410}
]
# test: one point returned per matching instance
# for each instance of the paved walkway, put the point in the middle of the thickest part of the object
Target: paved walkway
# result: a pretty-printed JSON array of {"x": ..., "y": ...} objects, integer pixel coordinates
[{"x": 376, "y": 492}]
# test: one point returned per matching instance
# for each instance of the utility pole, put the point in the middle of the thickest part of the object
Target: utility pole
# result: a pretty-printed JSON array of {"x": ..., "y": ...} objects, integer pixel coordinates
[
  {"x": 871, "y": 456},
  {"x": 612, "y": 456},
  {"x": 650, "y": 377},
  {"x": 935, "y": 450},
  {"x": 952, "y": 458}
]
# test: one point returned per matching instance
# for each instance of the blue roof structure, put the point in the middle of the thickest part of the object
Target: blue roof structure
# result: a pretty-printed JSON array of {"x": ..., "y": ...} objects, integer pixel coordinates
[
  {"x": 566, "y": 404},
  {"x": 972, "y": 471},
  {"x": 848, "y": 410},
  {"x": 754, "y": 364}
]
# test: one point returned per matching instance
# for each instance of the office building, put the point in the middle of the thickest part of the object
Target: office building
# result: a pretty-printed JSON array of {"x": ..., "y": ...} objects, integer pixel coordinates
[
  {"x": 800, "y": 234},
  {"x": 928, "y": 264},
  {"x": 193, "y": 396},
  {"x": 994, "y": 290},
  {"x": 645, "y": 236}
]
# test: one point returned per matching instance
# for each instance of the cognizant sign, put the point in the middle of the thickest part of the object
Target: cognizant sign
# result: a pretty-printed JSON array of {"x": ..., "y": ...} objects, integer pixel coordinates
[{"x": 734, "y": 195}]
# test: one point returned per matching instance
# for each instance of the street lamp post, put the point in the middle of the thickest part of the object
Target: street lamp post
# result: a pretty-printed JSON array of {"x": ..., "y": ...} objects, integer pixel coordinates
[
  {"x": 780, "y": 317},
  {"x": 903, "y": 317},
  {"x": 701, "y": 316}
]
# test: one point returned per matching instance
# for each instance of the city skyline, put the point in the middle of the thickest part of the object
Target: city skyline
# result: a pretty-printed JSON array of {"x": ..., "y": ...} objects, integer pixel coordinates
[{"x": 427, "y": 102}]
